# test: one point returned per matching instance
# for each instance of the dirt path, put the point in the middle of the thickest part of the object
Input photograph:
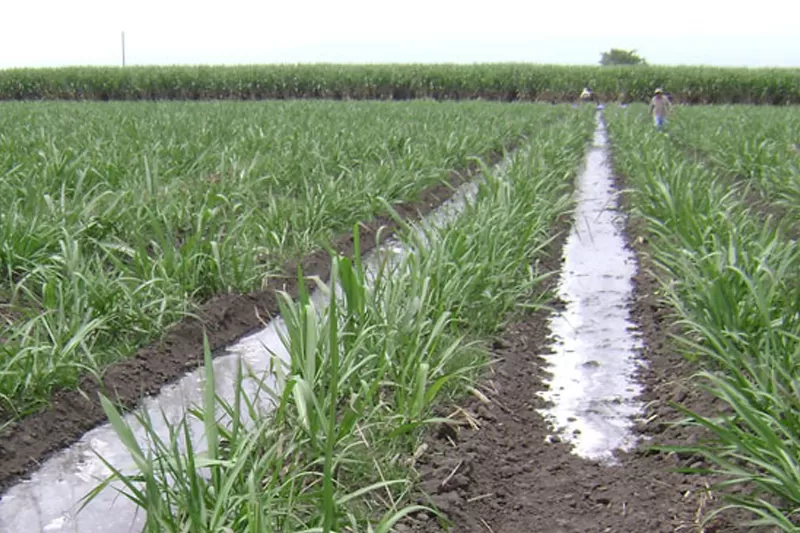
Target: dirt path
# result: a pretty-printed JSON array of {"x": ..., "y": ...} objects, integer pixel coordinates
[{"x": 503, "y": 473}]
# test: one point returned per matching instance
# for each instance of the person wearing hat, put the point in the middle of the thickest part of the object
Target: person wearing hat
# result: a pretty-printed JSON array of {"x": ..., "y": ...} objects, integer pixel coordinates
[
  {"x": 587, "y": 95},
  {"x": 659, "y": 107}
]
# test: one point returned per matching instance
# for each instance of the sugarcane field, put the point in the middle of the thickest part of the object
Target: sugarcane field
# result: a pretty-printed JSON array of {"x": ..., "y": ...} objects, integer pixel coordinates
[{"x": 479, "y": 298}]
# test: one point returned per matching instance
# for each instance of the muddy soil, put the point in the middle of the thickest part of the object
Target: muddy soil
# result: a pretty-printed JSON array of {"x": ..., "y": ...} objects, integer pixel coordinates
[
  {"x": 503, "y": 476},
  {"x": 226, "y": 318}
]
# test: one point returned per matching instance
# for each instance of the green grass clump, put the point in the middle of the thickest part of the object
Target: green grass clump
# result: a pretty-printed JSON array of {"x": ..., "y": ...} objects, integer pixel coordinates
[
  {"x": 501, "y": 81},
  {"x": 365, "y": 370},
  {"x": 117, "y": 219},
  {"x": 757, "y": 145},
  {"x": 731, "y": 276}
]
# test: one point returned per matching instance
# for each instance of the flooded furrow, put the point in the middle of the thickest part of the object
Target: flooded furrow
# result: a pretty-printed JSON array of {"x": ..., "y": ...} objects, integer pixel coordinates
[
  {"x": 50, "y": 499},
  {"x": 592, "y": 391}
]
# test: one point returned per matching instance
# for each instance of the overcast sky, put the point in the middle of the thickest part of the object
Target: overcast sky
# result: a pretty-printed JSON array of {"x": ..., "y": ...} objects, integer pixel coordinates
[{"x": 87, "y": 32}]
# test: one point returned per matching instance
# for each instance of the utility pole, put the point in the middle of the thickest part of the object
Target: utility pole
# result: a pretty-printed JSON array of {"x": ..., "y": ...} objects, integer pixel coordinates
[{"x": 123, "y": 48}]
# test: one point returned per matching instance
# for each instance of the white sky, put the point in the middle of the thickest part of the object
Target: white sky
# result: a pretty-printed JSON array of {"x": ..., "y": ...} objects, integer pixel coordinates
[{"x": 87, "y": 32}]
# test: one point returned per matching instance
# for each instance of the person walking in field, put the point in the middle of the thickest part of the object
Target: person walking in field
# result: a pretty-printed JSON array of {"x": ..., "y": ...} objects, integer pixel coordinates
[
  {"x": 659, "y": 108},
  {"x": 587, "y": 95}
]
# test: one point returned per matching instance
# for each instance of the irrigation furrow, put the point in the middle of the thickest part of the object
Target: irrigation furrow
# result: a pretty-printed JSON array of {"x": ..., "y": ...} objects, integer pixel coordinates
[
  {"x": 126, "y": 333},
  {"x": 558, "y": 458},
  {"x": 50, "y": 500},
  {"x": 592, "y": 389}
]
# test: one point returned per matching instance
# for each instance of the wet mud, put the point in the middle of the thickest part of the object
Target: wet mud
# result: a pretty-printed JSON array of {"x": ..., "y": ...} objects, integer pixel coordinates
[
  {"x": 502, "y": 471},
  {"x": 506, "y": 476},
  {"x": 24, "y": 445}
]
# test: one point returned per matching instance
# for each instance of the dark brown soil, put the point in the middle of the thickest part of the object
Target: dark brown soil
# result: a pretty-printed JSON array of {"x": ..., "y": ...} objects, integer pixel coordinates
[
  {"x": 226, "y": 318},
  {"x": 503, "y": 477}
]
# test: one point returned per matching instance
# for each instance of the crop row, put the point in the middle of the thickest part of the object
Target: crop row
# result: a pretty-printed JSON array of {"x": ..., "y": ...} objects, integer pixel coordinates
[
  {"x": 758, "y": 146},
  {"x": 731, "y": 276},
  {"x": 117, "y": 219},
  {"x": 506, "y": 82},
  {"x": 395, "y": 339}
]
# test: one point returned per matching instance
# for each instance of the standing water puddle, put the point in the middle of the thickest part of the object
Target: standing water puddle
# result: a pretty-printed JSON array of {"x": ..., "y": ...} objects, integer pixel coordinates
[
  {"x": 592, "y": 390},
  {"x": 49, "y": 501}
]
